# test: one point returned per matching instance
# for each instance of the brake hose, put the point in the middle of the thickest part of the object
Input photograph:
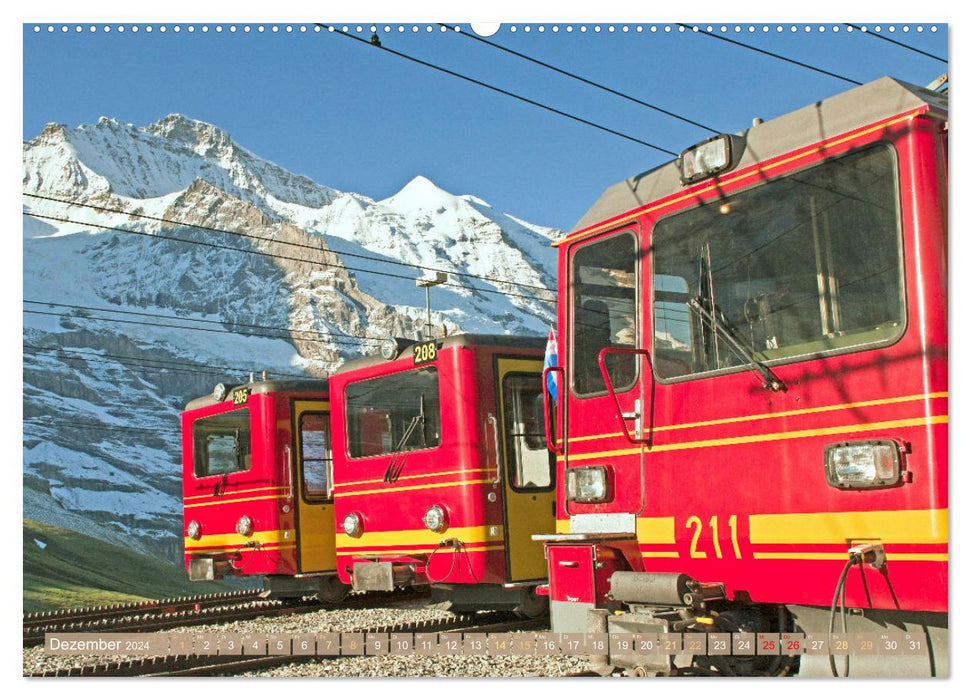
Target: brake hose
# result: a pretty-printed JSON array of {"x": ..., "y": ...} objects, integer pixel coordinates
[{"x": 840, "y": 595}]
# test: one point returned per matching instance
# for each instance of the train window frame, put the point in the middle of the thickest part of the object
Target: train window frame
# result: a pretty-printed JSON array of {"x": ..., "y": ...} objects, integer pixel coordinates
[
  {"x": 197, "y": 443},
  {"x": 298, "y": 438},
  {"x": 634, "y": 230},
  {"x": 348, "y": 420},
  {"x": 878, "y": 144},
  {"x": 508, "y": 437}
]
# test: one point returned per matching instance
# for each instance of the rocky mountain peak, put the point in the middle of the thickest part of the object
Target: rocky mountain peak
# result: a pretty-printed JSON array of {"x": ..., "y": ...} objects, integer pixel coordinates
[
  {"x": 52, "y": 133},
  {"x": 201, "y": 137}
]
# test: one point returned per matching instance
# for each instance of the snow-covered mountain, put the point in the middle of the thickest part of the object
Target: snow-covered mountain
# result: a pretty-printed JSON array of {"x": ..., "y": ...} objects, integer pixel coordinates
[{"x": 160, "y": 260}]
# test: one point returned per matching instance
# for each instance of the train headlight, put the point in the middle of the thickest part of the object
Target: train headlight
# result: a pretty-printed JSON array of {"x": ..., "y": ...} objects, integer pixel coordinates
[
  {"x": 862, "y": 464},
  {"x": 194, "y": 530},
  {"x": 353, "y": 525},
  {"x": 219, "y": 392},
  {"x": 586, "y": 484},
  {"x": 244, "y": 526},
  {"x": 706, "y": 159},
  {"x": 389, "y": 348},
  {"x": 436, "y": 519}
]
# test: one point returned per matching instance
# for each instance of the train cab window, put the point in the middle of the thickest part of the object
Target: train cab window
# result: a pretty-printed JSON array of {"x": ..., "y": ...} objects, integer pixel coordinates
[
  {"x": 604, "y": 281},
  {"x": 315, "y": 457},
  {"x": 795, "y": 267},
  {"x": 394, "y": 413},
  {"x": 530, "y": 464},
  {"x": 221, "y": 444}
]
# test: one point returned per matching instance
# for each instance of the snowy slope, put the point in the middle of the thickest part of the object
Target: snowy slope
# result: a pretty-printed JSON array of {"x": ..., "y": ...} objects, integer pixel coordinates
[{"x": 125, "y": 321}]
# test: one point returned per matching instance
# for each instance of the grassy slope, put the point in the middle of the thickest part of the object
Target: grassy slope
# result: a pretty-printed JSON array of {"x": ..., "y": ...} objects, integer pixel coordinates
[{"x": 74, "y": 570}]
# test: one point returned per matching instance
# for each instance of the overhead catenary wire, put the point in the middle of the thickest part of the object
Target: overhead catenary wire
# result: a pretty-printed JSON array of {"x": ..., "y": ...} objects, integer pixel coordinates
[
  {"x": 196, "y": 328},
  {"x": 127, "y": 366},
  {"x": 294, "y": 244},
  {"x": 893, "y": 41},
  {"x": 698, "y": 30},
  {"x": 220, "y": 246},
  {"x": 220, "y": 322},
  {"x": 501, "y": 91},
  {"x": 99, "y": 426},
  {"x": 586, "y": 81},
  {"x": 162, "y": 363}
]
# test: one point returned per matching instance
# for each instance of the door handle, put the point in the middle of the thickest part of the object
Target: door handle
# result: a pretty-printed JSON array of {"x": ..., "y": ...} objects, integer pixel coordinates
[
  {"x": 635, "y": 415},
  {"x": 495, "y": 443},
  {"x": 288, "y": 469}
]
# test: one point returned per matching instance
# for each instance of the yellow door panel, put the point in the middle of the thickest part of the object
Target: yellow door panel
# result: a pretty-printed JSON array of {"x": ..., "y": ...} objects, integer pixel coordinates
[
  {"x": 528, "y": 487},
  {"x": 314, "y": 482}
]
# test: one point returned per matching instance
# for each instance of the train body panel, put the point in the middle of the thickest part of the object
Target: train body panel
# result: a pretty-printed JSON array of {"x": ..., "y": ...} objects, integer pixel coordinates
[
  {"x": 257, "y": 486},
  {"x": 442, "y": 433},
  {"x": 756, "y": 364}
]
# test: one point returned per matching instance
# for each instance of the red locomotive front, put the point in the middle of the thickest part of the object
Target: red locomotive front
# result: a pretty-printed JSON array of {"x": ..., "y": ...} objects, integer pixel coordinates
[
  {"x": 441, "y": 471},
  {"x": 257, "y": 487},
  {"x": 754, "y": 351}
]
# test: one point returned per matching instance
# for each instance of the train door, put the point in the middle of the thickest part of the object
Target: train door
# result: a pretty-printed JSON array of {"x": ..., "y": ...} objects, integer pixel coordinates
[
  {"x": 313, "y": 477},
  {"x": 607, "y": 422},
  {"x": 527, "y": 466}
]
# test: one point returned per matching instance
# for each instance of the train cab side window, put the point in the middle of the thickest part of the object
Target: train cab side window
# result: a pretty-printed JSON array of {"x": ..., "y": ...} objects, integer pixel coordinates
[
  {"x": 530, "y": 464},
  {"x": 604, "y": 281},
  {"x": 222, "y": 444},
  {"x": 805, "y": 264},
  {"x": 315, "y": 457}
]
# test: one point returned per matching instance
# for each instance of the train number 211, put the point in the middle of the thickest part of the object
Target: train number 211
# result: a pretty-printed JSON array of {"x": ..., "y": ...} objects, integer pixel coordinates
[{"x": 695, "y": 523}]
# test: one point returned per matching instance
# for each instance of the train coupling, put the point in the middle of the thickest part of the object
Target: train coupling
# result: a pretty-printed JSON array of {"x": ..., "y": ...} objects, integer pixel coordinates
[
  {"x": 210, "y": 568},
  {"x": 382, "y": 575}
]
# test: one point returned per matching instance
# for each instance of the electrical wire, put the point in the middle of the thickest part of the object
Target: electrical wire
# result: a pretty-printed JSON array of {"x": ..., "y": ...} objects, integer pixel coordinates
[
  {"x": 204, "y": 320},
  {"x": 132, "y": 365},
  {"x": 307, "y": 246},
  {"x": 277, "y": 256},
  {"x": 582, "y": 79},
  {"x": 162, "y": 364},
  {"x": 898, "y": 43},
  {"x": 100, "y": 426},
  {"x": 196, "y": 328},
  {"x": 698, "y": 30},
  {"x": 499, "y": 90}
]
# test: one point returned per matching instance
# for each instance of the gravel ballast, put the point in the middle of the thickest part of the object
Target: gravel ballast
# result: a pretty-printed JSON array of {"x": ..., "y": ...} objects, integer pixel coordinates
[{"x": 35, "y": 660}]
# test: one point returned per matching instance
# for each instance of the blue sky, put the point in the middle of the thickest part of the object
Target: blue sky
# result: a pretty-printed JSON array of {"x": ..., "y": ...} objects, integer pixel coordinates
[{"x": 356, "y": 118}]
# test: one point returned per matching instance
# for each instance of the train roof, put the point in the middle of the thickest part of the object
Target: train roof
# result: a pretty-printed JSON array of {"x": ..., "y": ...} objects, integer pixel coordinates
[
  {"x": 833, "y": 116},
  {"x": 454, "y": 341},
  {"x": 265, "y": 386}
]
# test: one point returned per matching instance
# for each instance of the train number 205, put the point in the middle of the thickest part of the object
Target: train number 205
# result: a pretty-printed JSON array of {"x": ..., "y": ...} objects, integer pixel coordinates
[{"x": 695, "y": 524}]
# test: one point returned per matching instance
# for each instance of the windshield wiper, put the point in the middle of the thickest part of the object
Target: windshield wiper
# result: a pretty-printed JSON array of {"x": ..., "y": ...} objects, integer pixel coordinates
[
  {"x": 397, "y": 463},
  {"x": 770, "y": 379}
]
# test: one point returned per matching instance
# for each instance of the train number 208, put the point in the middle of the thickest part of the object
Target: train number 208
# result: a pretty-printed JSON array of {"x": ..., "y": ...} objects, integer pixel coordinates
[{"x": 425, "y": 352}]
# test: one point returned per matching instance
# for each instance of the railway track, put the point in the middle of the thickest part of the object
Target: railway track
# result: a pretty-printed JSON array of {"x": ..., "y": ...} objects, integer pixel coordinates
[
  {"x": 196, "y": 665},
  {"x": 153, "y": 616}
]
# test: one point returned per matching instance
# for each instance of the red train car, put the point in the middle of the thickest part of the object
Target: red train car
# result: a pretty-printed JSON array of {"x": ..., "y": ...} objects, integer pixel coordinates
[
  {"x": 441, "y": 472},
  {"x": 258, "y": 487},
  {"x": 754, "y": 390}
]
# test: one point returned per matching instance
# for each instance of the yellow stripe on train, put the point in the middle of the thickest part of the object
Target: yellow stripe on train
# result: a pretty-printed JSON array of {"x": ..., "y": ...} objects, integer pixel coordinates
[
  {"x": 265, "y": 537},
  {"x": 766, "y": 437},
  {"x": 413, "y": 488},
  {"x": 888, "y": 526},
  {"x": 403, "y": 538},
  {"x": 928, "y": 526}
]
